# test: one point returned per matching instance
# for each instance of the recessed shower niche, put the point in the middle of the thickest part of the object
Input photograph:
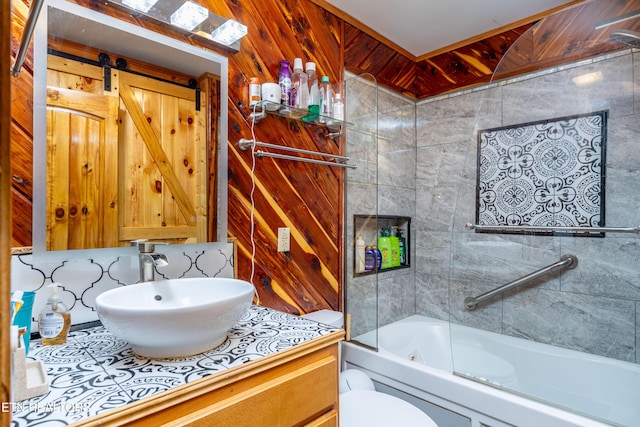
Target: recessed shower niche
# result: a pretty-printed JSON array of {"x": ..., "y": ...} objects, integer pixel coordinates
[{"x": 548, "y": 173}]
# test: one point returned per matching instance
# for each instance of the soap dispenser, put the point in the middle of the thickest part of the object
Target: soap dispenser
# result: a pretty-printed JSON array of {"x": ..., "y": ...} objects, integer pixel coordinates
[{"x": 54, "y": 319}]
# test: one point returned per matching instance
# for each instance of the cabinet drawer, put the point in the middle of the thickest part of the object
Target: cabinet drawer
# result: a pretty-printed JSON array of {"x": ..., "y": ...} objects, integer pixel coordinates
[{"x": 284, "y": 397}]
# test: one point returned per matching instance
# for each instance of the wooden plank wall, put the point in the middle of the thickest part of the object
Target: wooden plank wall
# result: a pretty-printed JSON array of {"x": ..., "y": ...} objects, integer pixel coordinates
[{"x": 303, "y": 197}]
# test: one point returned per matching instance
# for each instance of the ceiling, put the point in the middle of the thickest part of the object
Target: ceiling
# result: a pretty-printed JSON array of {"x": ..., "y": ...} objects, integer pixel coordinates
[{"x": 423, "y": 26}]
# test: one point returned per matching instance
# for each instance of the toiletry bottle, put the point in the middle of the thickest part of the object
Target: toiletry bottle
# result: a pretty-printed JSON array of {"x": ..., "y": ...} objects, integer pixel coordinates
[
  {"x": 299, "y": 86},
  {"x": 54, "y": 319},
  {"x": 384, "y": 244},
  {"x": 254, "y": 91},
  {"x": 338, "y": 107},
  {"x": 314, "y": 93},
  {"x": 326, "y": 99},
  {"x": 394, "y": 245},
  {"x": 284, "y": 80},
  {"x": 360, "y": 254},
  {"x": 370, "y": 259},
  {"x": 402, "y": 243},
  {"x": 378, "y": 254}
]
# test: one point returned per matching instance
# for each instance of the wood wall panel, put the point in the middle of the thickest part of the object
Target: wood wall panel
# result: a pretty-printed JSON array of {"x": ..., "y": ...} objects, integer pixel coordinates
[{"x": 308, "y": 198}]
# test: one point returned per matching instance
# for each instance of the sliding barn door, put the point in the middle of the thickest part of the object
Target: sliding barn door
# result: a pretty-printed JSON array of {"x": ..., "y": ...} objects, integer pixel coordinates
[
  {"x": 125, "y": 161},
  {"x": 82, "y": 144},
  {"x": 163, "y": 178}
]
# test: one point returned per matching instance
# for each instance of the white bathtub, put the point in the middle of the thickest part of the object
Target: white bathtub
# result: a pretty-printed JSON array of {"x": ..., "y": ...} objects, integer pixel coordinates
[{"x": 414, "y": 357}]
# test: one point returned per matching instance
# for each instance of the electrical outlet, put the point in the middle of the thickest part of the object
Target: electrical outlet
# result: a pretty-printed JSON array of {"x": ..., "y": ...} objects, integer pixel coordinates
[{"x": 284, "y": 239}]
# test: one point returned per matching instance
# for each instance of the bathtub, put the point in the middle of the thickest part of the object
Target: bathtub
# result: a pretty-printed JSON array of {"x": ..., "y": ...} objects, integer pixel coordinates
[{"x": 414, "y": 361}]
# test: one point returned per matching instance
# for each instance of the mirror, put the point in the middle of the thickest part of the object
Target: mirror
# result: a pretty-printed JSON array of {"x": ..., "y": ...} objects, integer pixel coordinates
[{"x": 76, "y": 24}]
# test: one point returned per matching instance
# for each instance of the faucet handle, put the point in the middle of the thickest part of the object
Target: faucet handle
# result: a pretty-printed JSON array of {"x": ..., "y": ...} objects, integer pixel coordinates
[{"x": 145, "y": 246}]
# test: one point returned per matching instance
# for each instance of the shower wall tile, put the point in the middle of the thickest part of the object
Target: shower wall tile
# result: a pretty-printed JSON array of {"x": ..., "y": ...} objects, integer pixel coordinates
[
  {"x": 433, "y": 251},
  {"x": 637, "y": 332},
  {"x": 391, "y": 297},
  {"x": 362, "y": 152},
  {"x": 396, "y": 201},
  {"x": 623, "y": 179},
  {"x": 487, "y": 317},
  {"x": 432, "y": 295},
  {"x": 398, "y": 168},
  {"x": 554, "y": 94},
  {"x": 453, "y": 119},
  {"x": 602, "y": 326},
  {"x": 361, "y": 301},
  {"x": 607, "y": 267}
]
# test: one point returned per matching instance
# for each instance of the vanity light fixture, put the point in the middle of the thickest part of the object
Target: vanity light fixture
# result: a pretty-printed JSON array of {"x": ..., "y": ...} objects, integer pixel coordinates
[
  {"x": 189, "y": 16},
  {"x": 141, "y": 5},
  {"x": 229, "y": 32}
]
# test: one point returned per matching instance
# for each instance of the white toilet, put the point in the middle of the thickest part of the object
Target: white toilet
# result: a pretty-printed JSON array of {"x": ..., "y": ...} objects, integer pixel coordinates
[{"x": 360, "y": 404}]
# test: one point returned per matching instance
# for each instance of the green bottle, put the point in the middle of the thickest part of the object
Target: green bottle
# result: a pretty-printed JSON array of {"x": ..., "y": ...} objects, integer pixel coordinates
[
  {"x": 384, "y": 245},
  {"x": 395, "y": 247},
  {"x": 402, "y": 243}
]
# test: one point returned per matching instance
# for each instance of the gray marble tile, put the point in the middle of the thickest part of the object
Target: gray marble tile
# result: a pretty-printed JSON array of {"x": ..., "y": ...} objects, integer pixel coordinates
[
  {"x": 607, "y": 267},
  {"x": 433, "y": 252},
  {"x": 432, "y": 295},
  {"x": 362, "y": 150},
  {"x": 397, "y": 168},
  {"x": 396, "y": 201},
  {"x": 455, "y": 119},
  {"x": 602, "y": 326},
  {"x": 556, "y": 95},
  {"x": 637, "y": 332}
]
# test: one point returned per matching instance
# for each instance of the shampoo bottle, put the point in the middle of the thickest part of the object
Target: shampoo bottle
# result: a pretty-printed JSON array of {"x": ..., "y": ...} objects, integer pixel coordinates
[
  {"x": 370, "y": 259},
  {"x": 54, "y": 319},
  {"x": 402, "y": 243},
  {"x": 394, "y": 245},
  {"x": 378, "y": 255},
  {"x": 384, "y": 244}
]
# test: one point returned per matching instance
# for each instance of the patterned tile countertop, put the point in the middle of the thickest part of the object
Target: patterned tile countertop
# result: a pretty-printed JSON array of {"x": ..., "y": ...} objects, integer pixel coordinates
[{"x": 95, "y": 372}]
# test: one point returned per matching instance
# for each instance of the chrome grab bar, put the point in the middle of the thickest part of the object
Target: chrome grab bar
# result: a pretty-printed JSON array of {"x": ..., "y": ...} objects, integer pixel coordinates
[
  {"x": 533, "y": 229},
  {"x": 566, "y": 262}
]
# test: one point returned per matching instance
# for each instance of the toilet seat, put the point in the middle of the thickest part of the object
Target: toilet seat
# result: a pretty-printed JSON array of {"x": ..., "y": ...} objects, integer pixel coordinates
[{"x": 367, "y": 408}]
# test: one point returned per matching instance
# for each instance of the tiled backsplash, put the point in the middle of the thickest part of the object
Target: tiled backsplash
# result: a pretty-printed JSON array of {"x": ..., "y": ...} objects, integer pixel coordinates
[{"x": 83, "y": 279}]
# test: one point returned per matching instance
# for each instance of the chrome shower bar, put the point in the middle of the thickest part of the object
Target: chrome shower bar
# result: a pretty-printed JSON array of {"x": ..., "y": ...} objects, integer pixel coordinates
[
  {"x": 566, "y": 262},
  {"x": 29, "y": 27},
  {"x": 534, "y": 229},
  {"x": 340, "y": 161}
]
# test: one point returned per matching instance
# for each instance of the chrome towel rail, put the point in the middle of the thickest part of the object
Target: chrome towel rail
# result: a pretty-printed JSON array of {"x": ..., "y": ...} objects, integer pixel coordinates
[
  {"x": 533, "y": 229},
  {"x": 566, "y": 262},
  {"x": 340, "y": 161}
]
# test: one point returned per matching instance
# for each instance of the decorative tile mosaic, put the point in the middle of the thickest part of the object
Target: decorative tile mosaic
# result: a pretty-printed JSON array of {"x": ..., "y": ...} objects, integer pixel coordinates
[
  {"x": 95, "y": 372},
  {"x": 546, "y": 173},
  {"x": 83, "y": 279}
]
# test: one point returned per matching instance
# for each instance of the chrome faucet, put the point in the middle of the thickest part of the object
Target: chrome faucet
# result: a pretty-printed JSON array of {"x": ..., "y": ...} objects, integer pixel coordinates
[{"x": 149, "y": 259}]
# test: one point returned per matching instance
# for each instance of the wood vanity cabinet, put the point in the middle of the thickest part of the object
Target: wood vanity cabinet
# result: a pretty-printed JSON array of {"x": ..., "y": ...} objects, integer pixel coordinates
[{"x": 295, "y": 387}]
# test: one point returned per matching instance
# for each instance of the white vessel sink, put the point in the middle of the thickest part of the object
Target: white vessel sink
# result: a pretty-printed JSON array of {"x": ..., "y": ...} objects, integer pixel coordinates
[{"x": 176, "y": 317}]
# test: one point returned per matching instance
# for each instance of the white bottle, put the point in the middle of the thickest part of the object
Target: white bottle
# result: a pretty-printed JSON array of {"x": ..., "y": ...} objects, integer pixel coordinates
[
  {"x": 338, "y": 107},
  {"x": 360, "y": 254},
  {"x": 326, "y": 99},
  {"x": 299, "y": 86}
]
